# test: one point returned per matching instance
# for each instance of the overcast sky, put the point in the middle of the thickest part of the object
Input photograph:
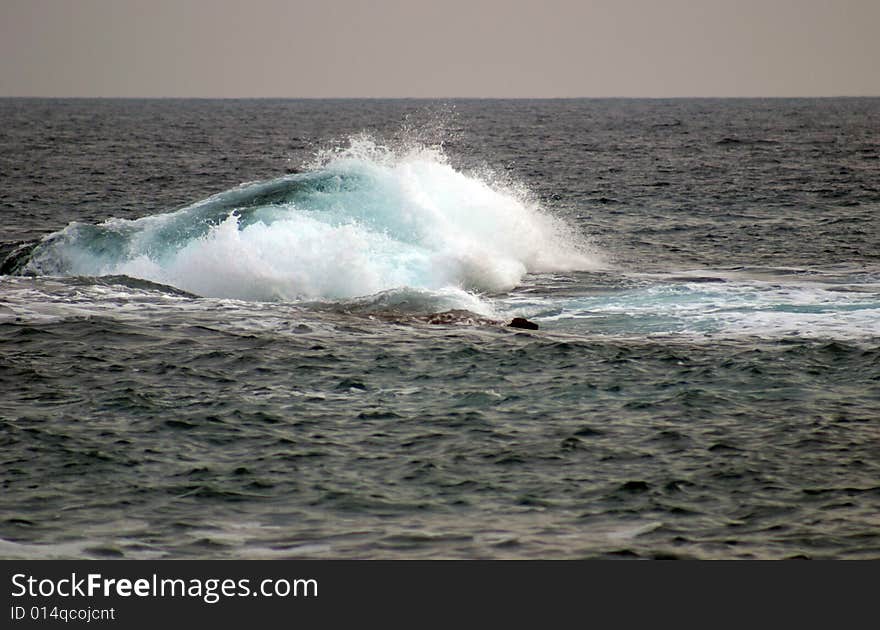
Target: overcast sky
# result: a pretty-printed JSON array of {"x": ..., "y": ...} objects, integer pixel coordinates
[{"x": 442, "y": 48}]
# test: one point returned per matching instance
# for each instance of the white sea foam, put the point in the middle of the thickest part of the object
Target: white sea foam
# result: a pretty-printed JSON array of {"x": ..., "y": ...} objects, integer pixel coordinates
[{"x": 729, "y": 309}]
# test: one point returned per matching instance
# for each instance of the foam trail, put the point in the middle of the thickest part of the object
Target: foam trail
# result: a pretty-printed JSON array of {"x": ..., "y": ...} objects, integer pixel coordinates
[
  {"x": 733, "y": 308},
  {"x": 363, "y": 220}
]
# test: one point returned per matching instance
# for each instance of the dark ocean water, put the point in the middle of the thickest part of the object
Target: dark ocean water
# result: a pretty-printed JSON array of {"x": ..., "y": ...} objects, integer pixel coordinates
[{"x": 316, "y": 364}]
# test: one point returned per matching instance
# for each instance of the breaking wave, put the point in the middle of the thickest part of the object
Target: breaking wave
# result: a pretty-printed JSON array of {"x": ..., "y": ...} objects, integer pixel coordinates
[{"x": 360, "y": 221}]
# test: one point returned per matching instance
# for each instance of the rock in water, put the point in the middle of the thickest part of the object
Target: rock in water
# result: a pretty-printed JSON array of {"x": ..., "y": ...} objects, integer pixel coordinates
[
  {"x": 460, "y": 316},
  {"x": 522, "y": 322}
]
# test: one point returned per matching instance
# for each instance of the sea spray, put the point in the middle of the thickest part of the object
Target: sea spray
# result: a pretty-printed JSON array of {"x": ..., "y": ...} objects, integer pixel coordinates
[{"x": 361, "y": 220}]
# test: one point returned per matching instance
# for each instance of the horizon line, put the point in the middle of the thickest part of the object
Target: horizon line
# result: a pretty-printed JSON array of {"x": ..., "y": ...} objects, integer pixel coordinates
[{"x": 440, "y": 98}]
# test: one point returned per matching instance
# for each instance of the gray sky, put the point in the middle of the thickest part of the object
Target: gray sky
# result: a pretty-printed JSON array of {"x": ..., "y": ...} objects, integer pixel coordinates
[{"x": 443, "y": 48}]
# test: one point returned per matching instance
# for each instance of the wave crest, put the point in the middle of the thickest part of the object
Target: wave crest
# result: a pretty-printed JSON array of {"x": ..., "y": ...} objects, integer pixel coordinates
[{"x": 361, "y": 220}]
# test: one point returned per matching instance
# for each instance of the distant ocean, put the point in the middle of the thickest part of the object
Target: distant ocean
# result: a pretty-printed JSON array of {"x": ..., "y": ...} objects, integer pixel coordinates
[{"x": 278, "y": 328}]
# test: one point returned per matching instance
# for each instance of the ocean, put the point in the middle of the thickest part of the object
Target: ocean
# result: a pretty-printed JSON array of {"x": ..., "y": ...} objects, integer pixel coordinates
[{"x": 278, "y": 329}]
